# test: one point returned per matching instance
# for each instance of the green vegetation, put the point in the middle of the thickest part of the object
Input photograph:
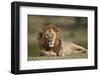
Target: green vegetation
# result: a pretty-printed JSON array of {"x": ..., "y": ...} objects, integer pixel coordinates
[{"x": 33, "y": 50}]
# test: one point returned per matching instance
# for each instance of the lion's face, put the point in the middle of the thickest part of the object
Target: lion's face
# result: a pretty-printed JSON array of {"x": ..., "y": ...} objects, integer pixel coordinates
[{"x": 50, "y": 37}]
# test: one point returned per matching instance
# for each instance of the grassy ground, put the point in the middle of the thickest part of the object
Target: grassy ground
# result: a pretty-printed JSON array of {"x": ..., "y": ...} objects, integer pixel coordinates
[{"x": 73, "y": 56}]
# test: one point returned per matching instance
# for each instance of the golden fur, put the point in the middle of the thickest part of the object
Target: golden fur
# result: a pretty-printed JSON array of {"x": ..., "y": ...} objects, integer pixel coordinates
[{"x": 60, "y": 48}]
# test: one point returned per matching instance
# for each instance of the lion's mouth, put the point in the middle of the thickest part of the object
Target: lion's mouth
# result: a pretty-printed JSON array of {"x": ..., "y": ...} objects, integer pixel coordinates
[{"x": 51, "y": 44}]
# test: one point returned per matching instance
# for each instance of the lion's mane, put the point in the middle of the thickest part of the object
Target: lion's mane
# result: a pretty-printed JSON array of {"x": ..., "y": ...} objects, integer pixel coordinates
[{"x": 44, "y": 46}]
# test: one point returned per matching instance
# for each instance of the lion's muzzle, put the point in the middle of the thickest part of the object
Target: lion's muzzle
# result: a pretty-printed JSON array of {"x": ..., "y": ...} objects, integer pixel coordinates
[{"x": 51, "y": 44}]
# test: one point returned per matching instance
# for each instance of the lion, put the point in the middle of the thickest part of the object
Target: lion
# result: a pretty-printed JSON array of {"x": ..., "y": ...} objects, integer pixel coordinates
[{"x": 50, "y": 43}]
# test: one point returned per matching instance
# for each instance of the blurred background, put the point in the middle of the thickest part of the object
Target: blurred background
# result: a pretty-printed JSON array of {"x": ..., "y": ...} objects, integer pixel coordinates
[{"x": 73, "y": 29}]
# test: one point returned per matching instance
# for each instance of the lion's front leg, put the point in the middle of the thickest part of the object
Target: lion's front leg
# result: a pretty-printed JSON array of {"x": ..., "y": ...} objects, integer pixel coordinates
[
  {"x": 47, "y": 53},
  {"x": 61, "y": 53}
]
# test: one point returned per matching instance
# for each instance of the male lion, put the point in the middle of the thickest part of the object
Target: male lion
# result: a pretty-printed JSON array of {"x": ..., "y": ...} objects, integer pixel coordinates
[{"x": 49, "y": 40}]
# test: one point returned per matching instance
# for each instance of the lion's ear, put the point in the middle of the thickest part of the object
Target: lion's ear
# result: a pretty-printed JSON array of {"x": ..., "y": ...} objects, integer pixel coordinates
[{"x": 57, "y": 29}]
